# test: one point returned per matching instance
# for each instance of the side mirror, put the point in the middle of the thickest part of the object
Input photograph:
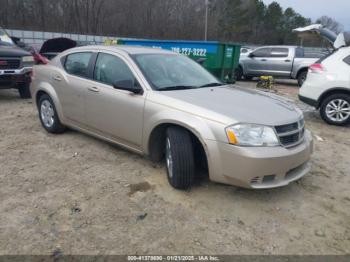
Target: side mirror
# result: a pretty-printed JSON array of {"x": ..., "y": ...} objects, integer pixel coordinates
[
  {"x": 128, "y": 85},
  {"x": 251, "y": 55}
]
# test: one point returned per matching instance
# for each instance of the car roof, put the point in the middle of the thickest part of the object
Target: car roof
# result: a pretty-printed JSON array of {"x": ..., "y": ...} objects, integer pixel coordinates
[
  {"x": 278, "y": 46},
  {"x": 131, "y": 50}
]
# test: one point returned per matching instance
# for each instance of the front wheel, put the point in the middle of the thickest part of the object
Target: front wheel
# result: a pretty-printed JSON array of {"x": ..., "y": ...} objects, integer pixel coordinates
[
  {"x": 48, "y": 115},
  {"x": 179, "y": 158},
  {"x": 335, "y": 109}
]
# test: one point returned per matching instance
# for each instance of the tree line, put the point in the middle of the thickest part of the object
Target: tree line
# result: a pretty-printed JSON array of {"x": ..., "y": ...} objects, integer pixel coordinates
[{"x": 243, "y": 21}]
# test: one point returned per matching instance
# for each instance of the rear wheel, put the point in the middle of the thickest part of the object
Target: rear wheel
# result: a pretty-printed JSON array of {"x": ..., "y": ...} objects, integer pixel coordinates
[
  {"x": 302, "y": 77},
  {"x": 48, "y": 115},
  {"x": 239, "y": 73},
  {"x": 335, "y": 109},
  {"x": 24, "y": 91},
  {"x": 179, "y": 155}
]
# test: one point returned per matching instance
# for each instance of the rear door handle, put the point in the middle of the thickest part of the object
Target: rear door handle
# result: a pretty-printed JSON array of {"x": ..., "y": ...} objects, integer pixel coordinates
[
  {"x": 263, "y": 60},
  {"x": 57, "y": 78},
  {"x": 94, "y": 89},
  {"x": 287, "y": 60}
]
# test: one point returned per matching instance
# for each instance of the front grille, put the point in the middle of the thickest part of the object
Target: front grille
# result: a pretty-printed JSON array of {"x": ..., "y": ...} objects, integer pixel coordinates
[
  {"x": 286, "y": 128},
  {"x": 9, "y": 63},
  {"x": 292, "y": 134}
]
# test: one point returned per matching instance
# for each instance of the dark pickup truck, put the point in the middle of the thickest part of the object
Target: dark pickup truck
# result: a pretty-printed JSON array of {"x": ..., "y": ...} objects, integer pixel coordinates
[{"x": 15, "y": 66}]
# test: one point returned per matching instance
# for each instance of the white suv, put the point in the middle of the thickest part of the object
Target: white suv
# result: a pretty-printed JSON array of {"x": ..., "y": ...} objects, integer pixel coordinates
[{"x": 327, "y": 87}]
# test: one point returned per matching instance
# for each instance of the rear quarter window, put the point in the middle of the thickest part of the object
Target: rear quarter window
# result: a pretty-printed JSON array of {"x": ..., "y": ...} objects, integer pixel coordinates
[{"x": 77, "y": 64}]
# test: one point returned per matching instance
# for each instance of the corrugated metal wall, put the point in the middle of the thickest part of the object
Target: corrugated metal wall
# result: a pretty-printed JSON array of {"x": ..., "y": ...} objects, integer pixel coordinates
[{"x": 37, "y": 37}]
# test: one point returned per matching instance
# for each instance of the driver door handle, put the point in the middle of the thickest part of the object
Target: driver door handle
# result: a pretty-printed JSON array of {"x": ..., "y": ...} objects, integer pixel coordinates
[
  {"x": 263, "y": 60},
  {"x": 94, "y": 89},
  {"x": 287, "y": 60}
]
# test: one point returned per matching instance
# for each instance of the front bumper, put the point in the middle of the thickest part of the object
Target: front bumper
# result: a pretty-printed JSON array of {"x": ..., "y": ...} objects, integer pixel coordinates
[
  {"x": 308, "y": 101},
  {"x": 259, "y": 167},
  {"x": 9, "y": 78}
]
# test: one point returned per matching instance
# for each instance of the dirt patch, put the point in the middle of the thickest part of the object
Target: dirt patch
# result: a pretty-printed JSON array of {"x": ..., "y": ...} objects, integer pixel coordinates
[
  {"x": 73, "y": 194},
  {"x": 139, "y": 187}
]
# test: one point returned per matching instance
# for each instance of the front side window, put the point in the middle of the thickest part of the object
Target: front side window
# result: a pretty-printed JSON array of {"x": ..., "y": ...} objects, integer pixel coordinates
[
  {"x": 78, "y": 64},
  {"x": 262, "y": 52},
  {"x": 171, "y": 72},
  {"x": 110, "y": 69},
  {"x": 279, "y": 52}
]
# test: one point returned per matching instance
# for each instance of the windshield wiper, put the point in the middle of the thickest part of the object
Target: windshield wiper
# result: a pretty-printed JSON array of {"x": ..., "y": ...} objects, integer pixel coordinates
[
  {"x": 172, "y": 88},
  {"x": 212, "y": 84}
]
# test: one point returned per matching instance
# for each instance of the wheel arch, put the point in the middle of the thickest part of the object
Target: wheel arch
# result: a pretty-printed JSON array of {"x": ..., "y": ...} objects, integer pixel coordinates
[
  {"x": 332, "y": 91},
  {"x": 155, "y": 141},
  {"x": 303, "y": 69},
  {"x": 46, "y": 88}
]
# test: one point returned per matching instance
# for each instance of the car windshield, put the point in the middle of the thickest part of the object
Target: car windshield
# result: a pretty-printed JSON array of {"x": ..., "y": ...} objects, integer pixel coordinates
[
  {"x": 167, "y": 72},
  {"x": 5, "y": 39}
]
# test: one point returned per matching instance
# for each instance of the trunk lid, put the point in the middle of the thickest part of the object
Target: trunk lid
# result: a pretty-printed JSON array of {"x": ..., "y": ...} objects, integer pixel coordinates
[{"x": 318, "y": 30}]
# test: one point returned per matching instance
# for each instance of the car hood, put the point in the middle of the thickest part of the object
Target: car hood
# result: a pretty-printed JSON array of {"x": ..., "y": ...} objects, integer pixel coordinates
[
  {"x": 12, "y": 51},
  {"x": 57, "y": 45},
  {"x": 233, "y": 104}
]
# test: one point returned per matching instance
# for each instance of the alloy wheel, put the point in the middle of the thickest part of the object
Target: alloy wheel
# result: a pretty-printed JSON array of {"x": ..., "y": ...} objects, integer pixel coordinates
[
  {"x": 47, "y": 113},
  {"x": 338, "y": 110}
]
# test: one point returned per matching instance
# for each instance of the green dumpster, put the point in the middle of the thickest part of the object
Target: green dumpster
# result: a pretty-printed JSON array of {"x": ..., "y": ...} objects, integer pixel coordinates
[{"x": 221, "y": 59}]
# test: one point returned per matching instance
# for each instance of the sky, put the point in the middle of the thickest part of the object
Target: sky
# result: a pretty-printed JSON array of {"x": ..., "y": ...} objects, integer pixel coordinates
[{"x": 337, "y": 9}]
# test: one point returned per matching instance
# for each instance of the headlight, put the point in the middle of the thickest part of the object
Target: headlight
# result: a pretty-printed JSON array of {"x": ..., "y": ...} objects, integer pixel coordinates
[
  {"x": 251, "y": 135},
  {"x": 27, "y": 59}
]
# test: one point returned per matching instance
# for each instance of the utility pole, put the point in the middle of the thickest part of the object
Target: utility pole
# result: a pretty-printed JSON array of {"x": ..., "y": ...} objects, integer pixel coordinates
[{"x": 206, "y": 20}]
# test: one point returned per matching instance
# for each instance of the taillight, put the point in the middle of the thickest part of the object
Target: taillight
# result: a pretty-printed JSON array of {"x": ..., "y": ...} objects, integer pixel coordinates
[{"x": 317, "y": 68}]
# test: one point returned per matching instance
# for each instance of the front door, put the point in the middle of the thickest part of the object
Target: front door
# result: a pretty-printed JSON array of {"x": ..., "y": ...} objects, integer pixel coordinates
[
  {"x": 257, "y": 62},
  {"x": 115, "y": 113}
]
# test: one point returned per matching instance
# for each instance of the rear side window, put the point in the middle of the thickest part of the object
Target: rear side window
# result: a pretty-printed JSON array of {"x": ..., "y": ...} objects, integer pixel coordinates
[
  {"x": 78, "y": 64},
  {"x": 262, "y": 52},
  {"x": 299, "y": 52},
  {"x": 279, "y": 52},
  {"x": 347, "y": 60},
  {"x": 110, "y": 69}
]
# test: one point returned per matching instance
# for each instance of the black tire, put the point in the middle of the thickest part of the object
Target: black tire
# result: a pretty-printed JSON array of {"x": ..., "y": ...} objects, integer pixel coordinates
[
  {"x": 302, "y": 77},
  {"x": 248, "y": 78},
  {"x": 239, "y": 73},
  {"x": 24, "y": 90},
  {"x": 56, "y": 127},
  {"x": 181, "y": 174},
  {"x": 327, "y": 103}
]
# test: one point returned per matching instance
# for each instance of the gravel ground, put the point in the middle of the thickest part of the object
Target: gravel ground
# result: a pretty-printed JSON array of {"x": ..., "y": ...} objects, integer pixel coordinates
[{"x": 74, "y": 194}]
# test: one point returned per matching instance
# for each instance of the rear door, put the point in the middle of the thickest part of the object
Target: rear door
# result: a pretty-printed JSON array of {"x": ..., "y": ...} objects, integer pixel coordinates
[{"x": 71, "y": 84}]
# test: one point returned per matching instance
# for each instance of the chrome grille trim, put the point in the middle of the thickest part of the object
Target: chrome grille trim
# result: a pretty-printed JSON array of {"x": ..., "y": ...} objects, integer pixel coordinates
[
  {"x": 291, "y": 135},
  {"x": 10, "y": 63}
]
